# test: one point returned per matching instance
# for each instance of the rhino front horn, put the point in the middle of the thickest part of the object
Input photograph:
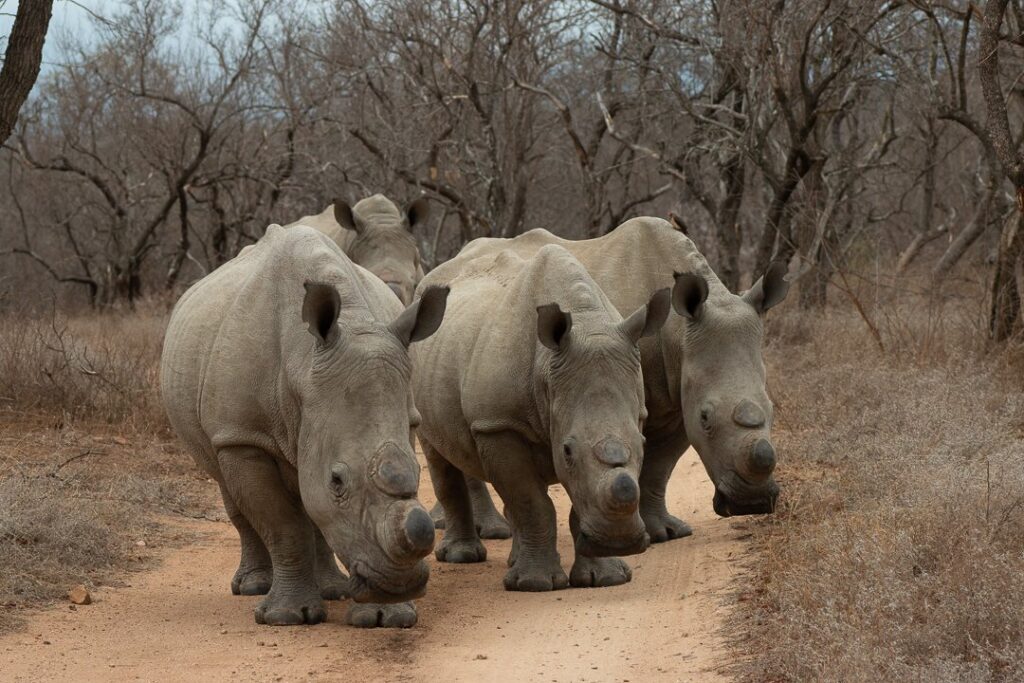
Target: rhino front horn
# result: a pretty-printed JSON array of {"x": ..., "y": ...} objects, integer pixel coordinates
[
  {"x": 411, "y": 533},
  {"x": 762, "y": 457}
]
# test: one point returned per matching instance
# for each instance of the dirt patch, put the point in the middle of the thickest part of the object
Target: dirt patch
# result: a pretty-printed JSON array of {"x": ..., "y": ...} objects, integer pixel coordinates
[{"x": 179, "y": 622}]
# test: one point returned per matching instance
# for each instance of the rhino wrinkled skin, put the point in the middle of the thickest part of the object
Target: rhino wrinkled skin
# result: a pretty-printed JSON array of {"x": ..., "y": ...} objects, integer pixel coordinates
[
  {"x": 286, "y": 374},
  {"x": 378, "y": 237},
  {"x": 534, "y": 379},
  {"x": 704, "y": 376}
]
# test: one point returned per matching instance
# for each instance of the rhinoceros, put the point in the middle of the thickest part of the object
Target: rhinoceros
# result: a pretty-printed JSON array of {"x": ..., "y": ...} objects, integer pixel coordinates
[
  {"x": 704, "y": 377},
  {"x": 286, "y": 374},
  {"x": 378, "y": 237},
  {"x": 535, "y": 379}
]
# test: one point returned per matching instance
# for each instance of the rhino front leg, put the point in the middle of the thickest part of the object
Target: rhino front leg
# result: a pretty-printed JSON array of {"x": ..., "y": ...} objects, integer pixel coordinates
[
  {"x": 276, "y": 514},
  {"x": 460, "y": 543},
  {"x": 509, "y": 464},
  {"x": 255, "y": 570},
  {"x": 595, "y": 572},
  {"x": 332, "y": 582},
  {"x": 489, "y": 522},
  {"x": 659, "y": 461}
]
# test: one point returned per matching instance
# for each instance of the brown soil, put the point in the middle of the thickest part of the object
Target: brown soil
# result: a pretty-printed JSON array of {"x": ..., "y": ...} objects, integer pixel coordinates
[{"x": 179, "y": 622}]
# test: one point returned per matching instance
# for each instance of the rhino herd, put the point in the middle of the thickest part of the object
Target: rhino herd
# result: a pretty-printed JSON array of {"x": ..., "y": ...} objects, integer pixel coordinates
[{"x": 290, "y": 374}]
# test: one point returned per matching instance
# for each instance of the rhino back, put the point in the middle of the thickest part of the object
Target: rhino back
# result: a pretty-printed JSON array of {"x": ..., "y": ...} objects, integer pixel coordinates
[
  {"x": 236, "y": 349},
  {"x": 324, "y": 222}
]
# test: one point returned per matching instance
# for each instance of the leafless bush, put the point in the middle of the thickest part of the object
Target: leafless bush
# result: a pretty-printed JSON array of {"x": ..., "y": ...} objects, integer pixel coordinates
[
  {"x": 899, "y": 550},
  {"x": 99, "y": 367}
]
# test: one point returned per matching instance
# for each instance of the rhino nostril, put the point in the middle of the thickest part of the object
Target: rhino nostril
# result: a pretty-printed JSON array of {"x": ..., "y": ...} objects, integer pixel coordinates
[
  {"x": 762, "y": 457},
  {"x": 624, "y": 490}
]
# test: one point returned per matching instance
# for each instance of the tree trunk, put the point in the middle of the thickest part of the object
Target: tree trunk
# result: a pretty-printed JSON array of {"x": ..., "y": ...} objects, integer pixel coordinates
[
  {"x": 22, "y": 60},
  {"x": 1005, "y": 317}
]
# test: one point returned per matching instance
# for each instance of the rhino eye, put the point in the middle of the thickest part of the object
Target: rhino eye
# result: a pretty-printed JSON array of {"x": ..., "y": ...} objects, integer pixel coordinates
[
  {"x": 339, "y": 482},
  {"x": 705, "y": 418}
]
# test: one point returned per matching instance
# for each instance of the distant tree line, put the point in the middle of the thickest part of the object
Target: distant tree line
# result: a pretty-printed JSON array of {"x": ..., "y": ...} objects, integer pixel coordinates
[{"x": 841, "y": 135}]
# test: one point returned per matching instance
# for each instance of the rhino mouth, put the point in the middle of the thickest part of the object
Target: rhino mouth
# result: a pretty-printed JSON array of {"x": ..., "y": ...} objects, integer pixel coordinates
[
  {"x": 369, "y": 585},
  {"x": 593, "y": 546},
  {"x": 727, "y": 507}
]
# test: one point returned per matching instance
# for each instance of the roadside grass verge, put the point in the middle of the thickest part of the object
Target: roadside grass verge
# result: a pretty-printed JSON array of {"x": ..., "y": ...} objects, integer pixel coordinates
[
  {"x": 87, "y": 463},
  {"x": 898, "y": 551}
]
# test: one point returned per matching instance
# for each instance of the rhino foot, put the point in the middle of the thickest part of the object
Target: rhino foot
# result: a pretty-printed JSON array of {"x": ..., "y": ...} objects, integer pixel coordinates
[
  {"x": 664, "y": 527},
  {"x": 597, "y": 572},
  {"x": 252, "y": 581},
  {"x": 291, "y": 609},
  {"x": 461, "y": 551},
  {"x": 333, "y": 587},
  {"x": 437, "y": 514},
  {"x": 370, "y": 615},
  {"x": 535, "y": 577},
  {"x": 494, "y": 527}
]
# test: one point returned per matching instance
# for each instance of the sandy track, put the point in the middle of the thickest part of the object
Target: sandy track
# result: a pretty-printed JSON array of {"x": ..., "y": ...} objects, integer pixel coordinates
[{"x": 179, "y": 622}]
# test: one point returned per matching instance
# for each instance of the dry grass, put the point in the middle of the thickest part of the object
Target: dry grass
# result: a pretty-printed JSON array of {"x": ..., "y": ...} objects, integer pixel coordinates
[
  {"x": 899, "y": 550},
  {"x": 86, "y": 460}
]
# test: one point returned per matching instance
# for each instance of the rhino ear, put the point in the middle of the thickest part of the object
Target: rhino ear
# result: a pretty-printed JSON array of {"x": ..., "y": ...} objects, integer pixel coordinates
[
  {"x": 343, "y": 214},
  {"x": 689, "y": 294},
  {"x": 320, "y": 310},
  {"x": 553, "y": 325},
  {"x": 770, "y": 289},
  {"x": 678, "y": 223},
  {"x": 417, "y": 212},
  {"x": 422, "y": 318},
  {"x": 647, "y": 320}
]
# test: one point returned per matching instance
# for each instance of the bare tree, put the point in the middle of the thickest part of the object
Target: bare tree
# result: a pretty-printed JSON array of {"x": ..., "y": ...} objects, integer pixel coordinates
[{"x": 22, "y": 59}]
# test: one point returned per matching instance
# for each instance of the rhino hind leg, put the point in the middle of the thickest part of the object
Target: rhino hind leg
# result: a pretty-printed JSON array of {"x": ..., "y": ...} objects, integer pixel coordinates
[
  {"x": 460, "y": 544},
  {"x": 254, "y": 482},
  {"x": 537, "y": 565},
  {"x": 255, "y": 570},
  {"x": 595, "y": 572},
  {"x": 332, "y": 582},
  {"x": 489, "y": 522},
  {"x": 654, "y": 476},
  {"x": 370, "y": 615}
]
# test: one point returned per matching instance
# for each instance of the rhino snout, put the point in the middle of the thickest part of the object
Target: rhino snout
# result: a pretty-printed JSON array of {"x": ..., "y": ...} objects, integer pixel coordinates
[
  {"x": 408, "y": 532},
  {"x": 762, "y": 458}
]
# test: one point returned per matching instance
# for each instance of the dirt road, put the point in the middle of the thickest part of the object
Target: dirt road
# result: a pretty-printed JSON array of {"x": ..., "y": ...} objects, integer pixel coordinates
[{"x": 179, "y": 622}]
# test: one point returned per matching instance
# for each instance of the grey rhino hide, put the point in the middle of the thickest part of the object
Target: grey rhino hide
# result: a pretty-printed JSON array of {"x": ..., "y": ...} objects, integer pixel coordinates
[
  {"x": 286, "y": 374},
  {"x": 533, "y": 379},
  {"x": 378, "y": 237},
  {"x": 704, "y": 375}
]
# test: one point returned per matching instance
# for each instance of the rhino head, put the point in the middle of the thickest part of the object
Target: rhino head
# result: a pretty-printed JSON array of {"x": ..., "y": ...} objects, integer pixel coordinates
[
  {"x": 726, "y": 410},
  {"x": 358, "y": 475},
  {"x": 596, "y": 410},
  {"x": 384, "y": 243}
]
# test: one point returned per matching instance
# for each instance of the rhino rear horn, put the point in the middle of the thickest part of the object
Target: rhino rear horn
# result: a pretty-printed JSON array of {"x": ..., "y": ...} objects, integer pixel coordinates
[
  {"x": 422, "y": 318},
  {"x": 553, "y": 325},
  {"x": 647, "y": 320},
  {"x": 320, "y": 309},
  {"x": 689, "y": 294},
  {"x": 343, "y": 214},
  {"x": 770, "y": 289}
]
